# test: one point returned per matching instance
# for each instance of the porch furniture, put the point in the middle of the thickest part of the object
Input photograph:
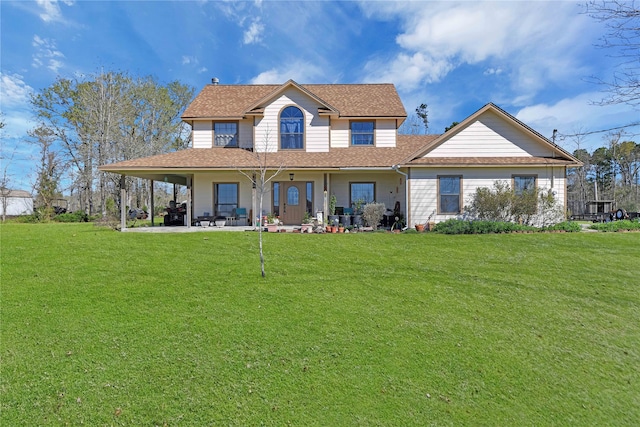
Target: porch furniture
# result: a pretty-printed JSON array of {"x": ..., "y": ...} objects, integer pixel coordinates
[{"x": 240, "y": 213}]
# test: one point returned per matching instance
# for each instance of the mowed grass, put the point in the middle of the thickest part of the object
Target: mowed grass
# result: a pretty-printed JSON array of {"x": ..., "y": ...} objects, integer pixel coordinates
[{"x": 369, "y": 329}]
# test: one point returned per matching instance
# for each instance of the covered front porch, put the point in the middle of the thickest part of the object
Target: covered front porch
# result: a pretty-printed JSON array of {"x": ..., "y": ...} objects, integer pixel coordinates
[{"x": 288, "y": 197}]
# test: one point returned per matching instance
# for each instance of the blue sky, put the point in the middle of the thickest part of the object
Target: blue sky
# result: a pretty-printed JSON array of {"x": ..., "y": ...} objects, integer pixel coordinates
[{"x": 532, "y": 58}]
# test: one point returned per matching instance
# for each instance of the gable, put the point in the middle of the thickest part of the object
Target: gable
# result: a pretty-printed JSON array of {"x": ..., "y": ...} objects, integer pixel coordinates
[{"x": 490, "y": 136}]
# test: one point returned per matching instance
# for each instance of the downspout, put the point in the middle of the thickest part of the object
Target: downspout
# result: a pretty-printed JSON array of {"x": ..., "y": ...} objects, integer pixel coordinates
[{"x": 406, "y": 193}]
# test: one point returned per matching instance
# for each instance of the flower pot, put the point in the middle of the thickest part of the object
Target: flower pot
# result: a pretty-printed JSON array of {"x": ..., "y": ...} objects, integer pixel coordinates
[
  {"x": 431, "y": 225},
  {"x": 220, "y": 223},
  {"x": 419, "y": 228},
  {"x": 340, "y": 229},
  {"x": 334, "y": 229},
  {"x": 272, "y": 228},
  {"x": 204, "y": 224}
]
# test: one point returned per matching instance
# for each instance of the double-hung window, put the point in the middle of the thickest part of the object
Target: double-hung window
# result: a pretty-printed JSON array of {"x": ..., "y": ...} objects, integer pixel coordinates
[
  {"x": 449, "y": 194},
  {"x": 225, "y": 134},
  {"x": 291, "y": 129},
  {"x": 523, "y": 184},
  {"x": 362, "y": 133}
]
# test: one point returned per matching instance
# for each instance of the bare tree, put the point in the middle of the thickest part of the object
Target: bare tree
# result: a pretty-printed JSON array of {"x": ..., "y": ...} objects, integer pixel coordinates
[
  {"x": 266, "y": 166},
  {"x": 5, "y": 183},
  {"x": 5, "y": 179},
  {"x": 110, "y": 117},
  {"x": 416, "y": 123},
  {"x": 622, "y": 39}
]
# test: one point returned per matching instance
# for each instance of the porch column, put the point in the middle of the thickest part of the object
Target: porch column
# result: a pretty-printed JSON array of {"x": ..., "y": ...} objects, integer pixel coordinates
[
  {"x": 123, "y": 204},
  {"x": 325, "y": 205},
  {"x": 188, "y": 202},
  {"x": 152, "y": 203}
]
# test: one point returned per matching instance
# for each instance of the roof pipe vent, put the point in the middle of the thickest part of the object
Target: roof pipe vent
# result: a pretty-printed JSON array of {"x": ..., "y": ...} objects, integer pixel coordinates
[{"x": 215, "y": 81}]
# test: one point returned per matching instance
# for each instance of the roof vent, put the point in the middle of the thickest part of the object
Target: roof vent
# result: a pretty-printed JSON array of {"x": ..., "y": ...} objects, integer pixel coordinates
[{"x": 215, "y": 81}]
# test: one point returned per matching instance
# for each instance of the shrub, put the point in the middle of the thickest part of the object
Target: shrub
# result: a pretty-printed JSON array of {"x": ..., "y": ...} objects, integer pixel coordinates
[
  {"x": 625, "y": 225},
  {"x": 569, "y": 226},
  {"x": 373, "y": 213},
  {"x": 459, "y": 226},
  {"x": 77, "y": 216},
  {"x": 501, "y": 204}
]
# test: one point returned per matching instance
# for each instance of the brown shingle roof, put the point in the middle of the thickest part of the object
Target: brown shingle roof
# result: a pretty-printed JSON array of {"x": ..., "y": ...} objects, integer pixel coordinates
[
  {"x": 488, "y": 161},
  {"x": 351, "y": 100},
  {"x": 231, "y": 158}
]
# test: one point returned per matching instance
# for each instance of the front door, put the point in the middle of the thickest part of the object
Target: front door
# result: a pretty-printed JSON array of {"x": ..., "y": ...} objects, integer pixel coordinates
[{"x": 294, "y": 200}]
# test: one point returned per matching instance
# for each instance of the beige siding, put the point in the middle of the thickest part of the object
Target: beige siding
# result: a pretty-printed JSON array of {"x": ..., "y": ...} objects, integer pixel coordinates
[
  {"x": 316, "y": 127},
  {"x": 424, "y": 186},
  {"x": 385, "y": 133},
  {"x": 389, "y": 187},
  {"x": 202, "y": 134},
  {"x": 245, "y": 133},
  {"x": 339, "y": 133},
  {"x": 490, "y": 136}
]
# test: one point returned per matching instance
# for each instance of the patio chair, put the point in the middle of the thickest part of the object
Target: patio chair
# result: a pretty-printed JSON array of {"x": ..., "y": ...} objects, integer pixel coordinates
[{"x": 241, "y": 213}]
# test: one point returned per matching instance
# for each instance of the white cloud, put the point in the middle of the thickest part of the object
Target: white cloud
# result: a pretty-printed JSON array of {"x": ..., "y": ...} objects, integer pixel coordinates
[
  {"x": 534, "y": 42},
  {"x": 254, "y": 33},
  {"x": 46, "y": 53},
  {"x": 301, "y": 72},
  {"x": 50, "y": 10},
  {"x": 14, "y": 91},
  {"x": 578, "y": 115}
]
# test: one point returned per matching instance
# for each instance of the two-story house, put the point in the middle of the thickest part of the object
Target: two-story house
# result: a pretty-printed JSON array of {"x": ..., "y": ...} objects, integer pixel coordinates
[{"x": 342, "y": 140}]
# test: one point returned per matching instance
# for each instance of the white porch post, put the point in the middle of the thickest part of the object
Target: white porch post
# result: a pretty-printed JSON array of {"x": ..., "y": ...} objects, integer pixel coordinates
[
  {"x": 123, "y": 204},
  {"x": 188, "y": 202},
  {"x": 153, "y": 207}
]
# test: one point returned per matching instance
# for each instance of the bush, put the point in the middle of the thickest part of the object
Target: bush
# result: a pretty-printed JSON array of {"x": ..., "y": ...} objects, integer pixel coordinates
[
  {"x": 624, "y": 225},
  {"x": 77, "y": 216},
  {"x": 501, "y": 204},
  {"x": 459, "y": 226},
  {"x": 28, "y": 219},
  {"x": 569, "y": 226},
  {"x": 373, "y": 213}
]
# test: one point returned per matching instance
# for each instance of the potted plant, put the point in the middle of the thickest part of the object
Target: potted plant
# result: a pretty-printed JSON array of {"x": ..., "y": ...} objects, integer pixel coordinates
[
  {"x": 334, "y": 225},
  {"x": 357, "y": 211},
  {"x": 333, "y": 200},
  {"x": 307, "y": 223},
  {"x": 272, "y": 223},
  {"x": 340, "y": 228},
  {"x": 419, "y": 228},
  {"x": 430, "y": 223}
]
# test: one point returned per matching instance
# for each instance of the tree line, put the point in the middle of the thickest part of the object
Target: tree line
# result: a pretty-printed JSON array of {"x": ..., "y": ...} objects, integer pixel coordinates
[
  {"x": 608, "y": 173},
  {"x": 98, "y": 119}
]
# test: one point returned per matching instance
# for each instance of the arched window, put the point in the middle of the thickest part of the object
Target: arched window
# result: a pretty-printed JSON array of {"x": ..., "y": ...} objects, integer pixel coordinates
[
  {"x": 291, "y": 129},
  {"x": 293, "y": 196}
]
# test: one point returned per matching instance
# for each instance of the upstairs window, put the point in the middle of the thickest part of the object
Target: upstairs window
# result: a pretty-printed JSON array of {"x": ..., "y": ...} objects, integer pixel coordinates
[
  {"x": 291, "y": 129},
  {"x": 225, "y": 134},
  {"x": 362, "y": 133}
]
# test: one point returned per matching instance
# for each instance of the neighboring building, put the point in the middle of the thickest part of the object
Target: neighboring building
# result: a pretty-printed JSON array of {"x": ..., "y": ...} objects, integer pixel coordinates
[
  {"x": 16, "y": 202},
  {"x": 342, "y": 140}
]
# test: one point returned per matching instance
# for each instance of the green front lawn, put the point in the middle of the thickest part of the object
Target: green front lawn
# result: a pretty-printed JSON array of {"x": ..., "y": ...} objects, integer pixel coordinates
[{"x": 107, "y": 328}]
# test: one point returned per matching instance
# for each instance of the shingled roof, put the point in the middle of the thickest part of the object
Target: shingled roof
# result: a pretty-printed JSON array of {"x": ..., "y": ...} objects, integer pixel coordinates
[
  {"x": 237, "y": 158},
  {"x": 350, "y": 100}
]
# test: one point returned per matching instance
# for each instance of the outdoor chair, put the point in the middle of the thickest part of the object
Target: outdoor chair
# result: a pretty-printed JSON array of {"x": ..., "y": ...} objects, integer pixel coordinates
[{"x": 241, "y": 213}]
